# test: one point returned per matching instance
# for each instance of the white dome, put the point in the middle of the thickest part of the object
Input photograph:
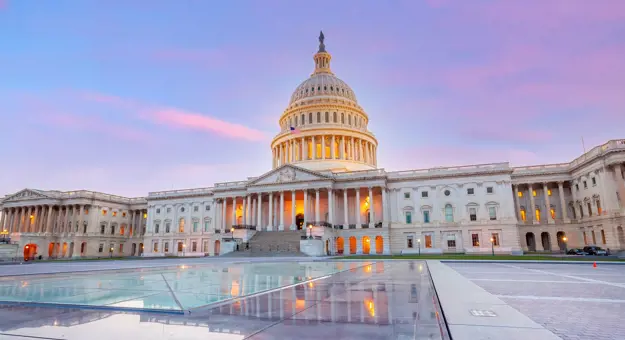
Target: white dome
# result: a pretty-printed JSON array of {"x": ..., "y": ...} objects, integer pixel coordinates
[{"x": 322, "y": 85}]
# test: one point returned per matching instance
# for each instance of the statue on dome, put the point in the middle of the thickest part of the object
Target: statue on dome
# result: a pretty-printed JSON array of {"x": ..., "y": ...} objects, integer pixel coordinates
[{"x": 322, "y": 47}]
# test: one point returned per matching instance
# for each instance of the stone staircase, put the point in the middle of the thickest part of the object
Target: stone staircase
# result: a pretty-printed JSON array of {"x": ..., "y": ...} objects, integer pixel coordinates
[{"x": 272, "y": 244}]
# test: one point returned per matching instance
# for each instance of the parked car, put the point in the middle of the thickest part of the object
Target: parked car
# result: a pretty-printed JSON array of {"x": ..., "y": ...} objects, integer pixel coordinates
[
  {"x": 595, "y": 250},
  {"x": 576, "y": 251}
]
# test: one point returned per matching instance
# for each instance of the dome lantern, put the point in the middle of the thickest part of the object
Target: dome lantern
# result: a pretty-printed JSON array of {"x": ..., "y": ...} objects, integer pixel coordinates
[{"x": 322, "y": 58}]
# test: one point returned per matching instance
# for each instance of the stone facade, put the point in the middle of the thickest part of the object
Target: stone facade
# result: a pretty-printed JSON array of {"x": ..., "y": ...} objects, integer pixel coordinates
[{"x": 325, "y": 182}]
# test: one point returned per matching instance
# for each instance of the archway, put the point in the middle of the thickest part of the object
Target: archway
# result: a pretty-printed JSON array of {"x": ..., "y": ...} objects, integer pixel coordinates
[
  {"x": 217, "y": 247},
  {"x": 530, "y": 240},
  {"x": 561, "y": 244},
  {"x": 71, "y": 249},
  {"x": 140, "y": 249},
  {"x": 340, "y": 244},
  {"x": 379, "y": 244},
  {"x": 133, "y": 249},
  {"x": 64, "y": 251},
  {"x": 30, "y": 251},
  {"x": 366, "y": 245},
  {"x": 544, "y": 236},
  {"x": 299, "y": 221},
  {"x": 621, "y": 236},
  {"x": 352, "y": 245},
  {"x": 83, "y": 249},
  {"x": 51, "y": 249}
]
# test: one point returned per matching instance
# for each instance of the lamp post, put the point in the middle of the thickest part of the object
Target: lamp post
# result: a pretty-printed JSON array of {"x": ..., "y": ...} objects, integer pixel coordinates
[
  {"x": 564, "y": 239},
  {"x": 419, "y": 245},
  {"x": 184, "y": 247},
  {"x": 309, "y": 231},
  {"x": 111, "y": 252},
  {"x": 492, "y": 245},
  {"x": 232, "y": 233}
]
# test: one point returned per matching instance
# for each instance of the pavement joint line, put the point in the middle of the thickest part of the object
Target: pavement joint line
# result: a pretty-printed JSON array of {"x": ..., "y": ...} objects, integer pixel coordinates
[
  {"x": 567, "y": 276},
  {"x": 29, "y": 336},
  {"x": 558, "y": 298},
  {"x": 531, "y": 281},
  {"x": 173, "y": 295}
]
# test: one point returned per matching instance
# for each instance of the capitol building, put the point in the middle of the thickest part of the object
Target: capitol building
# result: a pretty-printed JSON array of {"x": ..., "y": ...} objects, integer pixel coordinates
[{"x": 327, "y": 194}]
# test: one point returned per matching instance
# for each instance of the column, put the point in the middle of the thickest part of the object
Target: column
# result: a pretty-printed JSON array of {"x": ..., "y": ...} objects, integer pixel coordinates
[
  {"x": 3, "y": 218},
  {"x": 248, "y": 211},
  {"x": 317, "y": 218},
  {"x": 36, "y": 226},
  {"x": 49, "y": 221},
  {"x": 547, "y": 202},
  {"x": 360, "y": 151},
  {"x": 351, "y": 148},
  {"x": 342, "y": 148},
  {"x": 331, "y": 202},
  {"x": 345, "y": 210},
  {"x": 281, "y": 226},
  {"x": 270, "y": 211},
  {"x": 531, "y": 210},
  {"x": 518, "y": 202},
  {"x": 259, "y": 219},
  {"x": 234, "y": 211},
  {"x": 333, "y": 148},
  {"x": 59, "y": 220},
  {"x": 357, "y": 210},
  {"x": 303, "y": 155},
  {"x": 323, "y": 147},
  {"x": 371, "y": 209},
  {"x": 562, "y": 201},
  {"x": 293, "y": 210},
  {"x": 255, "y": 220},
  {"x": 384, "y": 208},
  {"x": 314, "y": 147},
  {"x": 620, "y": 185},
  {"x": 224, "y": 214},
  {"x": 305, "y": 208}
]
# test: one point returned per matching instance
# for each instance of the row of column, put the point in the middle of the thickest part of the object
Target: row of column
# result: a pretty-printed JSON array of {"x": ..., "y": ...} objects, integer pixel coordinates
[
  {"x": 531, "y": 210},
  {"x": 331, "y": 147},
  {"x": 252, "y": 208}
]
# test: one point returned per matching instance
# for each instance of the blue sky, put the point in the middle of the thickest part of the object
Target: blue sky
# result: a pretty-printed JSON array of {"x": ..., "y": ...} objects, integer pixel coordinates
[{"x": 127, "y": 97}]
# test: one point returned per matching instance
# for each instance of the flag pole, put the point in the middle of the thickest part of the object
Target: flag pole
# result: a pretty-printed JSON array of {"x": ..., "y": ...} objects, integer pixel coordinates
[{"x": 583, "y": 145}]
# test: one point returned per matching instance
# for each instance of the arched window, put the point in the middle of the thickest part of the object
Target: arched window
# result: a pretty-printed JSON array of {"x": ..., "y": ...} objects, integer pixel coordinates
[
  {"x": 538, "y": 214},
  {"x": 318, "y": 117},
  {"x": 449, "y": 213},
  {"x": 334, "y": 117},
  {"x": 523, "y": 214},
  {"x": 349, "y": 120},
  {"x": 310, "y": 118},
  {"x": 181, "y": 225},
  {"x": 342, "y": 118},
  {"x": 290, "y": 122},
  {"x": 303, "y": 119},
  {"x": 327, "y": 117}
]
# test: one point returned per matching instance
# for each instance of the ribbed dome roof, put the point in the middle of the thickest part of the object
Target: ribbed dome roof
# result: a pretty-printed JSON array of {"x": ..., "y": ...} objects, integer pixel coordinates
[{"x": 322, "y": 85}]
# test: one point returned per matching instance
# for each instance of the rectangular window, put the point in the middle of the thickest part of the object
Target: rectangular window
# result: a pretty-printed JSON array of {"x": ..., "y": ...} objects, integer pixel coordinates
[
  {"x": 208, "y": 208},
  {"x": 602, "y": 236},
  {"x": 101, "y": 248},
  {"x": 473, "y": 214},
  {"x": 534, "y": 193},
  {"x": 426, "y": 216},
  {"x": 168, "y": 210},
  {"x": 408, "y": 217},
  {"x": 428, "y": 241},
  {"x": 577, "y": 187},
  {"x": 489, "y": 190},
  {"x": 548, "y": 192},
  {"x": 102, "y": 229},
  {"x": 206, "y": 226},
  {"x": 451, "y": 241},
  {"x": 205, "y": 246},
  {"x": 475, "y": 239},
  {"x": 180, "y": 246},
  {"x": 114, "y": 213},
  {"x": 599, "y": 210},
  {"x": 103, "y": 212},
  {"x": 553, "y": 213},
  {"x": 158, "y": 211},
  {"x": 470, "y": 191},
  {"x": 495, "y": 238},
  {"x": 594, "y": 237},
  {"x": 166, "y": 247},
  {"x": 424, "y": 194},
  {"x": 520, "y": 194},
  {"x": 406, "y": 195},
  {"x": 194, "y": 246},
  {"x": 86, "y": 211},
  {"x": 167, "y": 227},
  {"x": 492, "y": 213},
  {"x": 123, "y": 214},
  {"x": 589, "y": 209},
  {"x": 585, "y": 238},
  {"x": 585, "y": 185},
  {"x": 196, "y": 208},
  {"x": 113, "y": 230},
  {"x": 594, "y": 181},
  {"x": 121, "y": 248},
  {"x": 410, "y": 241},
  {"x": 195, "y": 224},
  {"x": 156, "y": 227}
]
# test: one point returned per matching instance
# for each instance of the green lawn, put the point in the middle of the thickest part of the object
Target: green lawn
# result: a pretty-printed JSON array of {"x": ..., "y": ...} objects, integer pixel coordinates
[{"x": 481, "y": 257}]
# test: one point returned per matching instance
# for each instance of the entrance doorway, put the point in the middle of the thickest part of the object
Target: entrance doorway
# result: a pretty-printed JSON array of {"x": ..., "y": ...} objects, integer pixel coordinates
[
  {"x": 299, "y": 221},
  {"x": 30, "y": 250}
]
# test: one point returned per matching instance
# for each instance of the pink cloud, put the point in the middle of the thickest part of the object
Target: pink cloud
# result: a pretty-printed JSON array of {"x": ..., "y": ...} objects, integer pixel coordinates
[
  {"x": 179, "y": 118},
  {"x": 195, "y": 121}
]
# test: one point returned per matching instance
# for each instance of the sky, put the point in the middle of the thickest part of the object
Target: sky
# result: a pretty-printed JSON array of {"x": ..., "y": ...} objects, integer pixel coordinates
[{"x": 130, "y": 96}]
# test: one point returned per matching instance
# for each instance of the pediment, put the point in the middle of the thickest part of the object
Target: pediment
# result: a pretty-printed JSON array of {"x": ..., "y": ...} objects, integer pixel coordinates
[
  {"x": 288, "y": 174},
  {"x": 26, "y": 194}
]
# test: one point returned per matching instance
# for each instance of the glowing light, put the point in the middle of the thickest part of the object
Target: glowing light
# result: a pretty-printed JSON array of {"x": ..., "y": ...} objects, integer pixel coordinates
[
  {"x": 370, "y": 307},
  {"x": 235, "y": 290},
  {"x": 564, "y": 239},
  {"x": 300, "y": 304}
]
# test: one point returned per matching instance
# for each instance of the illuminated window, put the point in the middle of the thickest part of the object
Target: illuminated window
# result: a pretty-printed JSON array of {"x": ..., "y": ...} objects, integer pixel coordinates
[
  {"x": 538, "y": 215},
  {"x": 123, "y": 214},
  {"x": 495, "y": 238},
  {"x": 428, "y": 241},
  {"x": 166, "y": 247},
  {"x": 103, "y": 212},
  {"x": 599, "y": 210},
  {"x": 553, "y": 213},
  {"x": 520, "y": 193},
  {"x": 475, "y": 238},
  {"x": 534, "y": 193},
  {"x": 523, "y": 216},
  {"x": 122, "y": 230},
  {"x": 145, "y": 215},
  {"x": 114, "y": 213},
  {"x": 181, "y": 226},
  {"x": 549, "y": 192},
  {"x": 86, "y": 211}
]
